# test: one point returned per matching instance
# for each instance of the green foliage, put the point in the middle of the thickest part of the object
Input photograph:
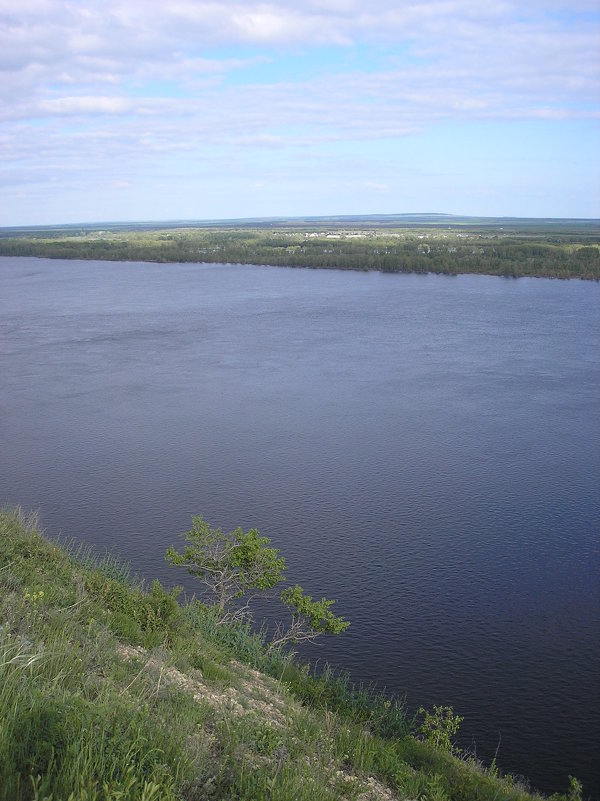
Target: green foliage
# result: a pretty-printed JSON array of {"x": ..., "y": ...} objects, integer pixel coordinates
[
  {"x": 232, "y": 565},
  {"x": 574, "y": 793},
  {"x": 575, "y": 789},
  {"x": 229, "y": 565},
  {"x": 420, "y": 786},
  {"x": 309, "y": 618},
  {"x": 439, "y": 727},
  {"x": 569, "y": 250},
  {"x": 317, "y": 614},
  {"x": 138, "y": 616}
]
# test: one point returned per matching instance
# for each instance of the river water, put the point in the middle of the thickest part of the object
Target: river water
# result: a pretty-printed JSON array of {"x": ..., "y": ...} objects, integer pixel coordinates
[{"x": 425, "y": 449}]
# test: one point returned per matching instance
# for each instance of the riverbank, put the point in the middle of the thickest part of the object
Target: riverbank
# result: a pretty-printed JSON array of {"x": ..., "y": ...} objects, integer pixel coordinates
[
  {"x": 536, "y": 250},
  {"x": 109, "y": 690}
]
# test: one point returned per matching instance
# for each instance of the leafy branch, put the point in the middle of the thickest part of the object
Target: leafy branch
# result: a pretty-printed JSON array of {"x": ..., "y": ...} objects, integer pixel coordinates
[{"x": 309, "y": 619}]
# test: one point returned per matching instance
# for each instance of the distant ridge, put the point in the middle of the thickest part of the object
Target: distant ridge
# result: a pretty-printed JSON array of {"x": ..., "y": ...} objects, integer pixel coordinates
[{"x": 405, "y": 220}]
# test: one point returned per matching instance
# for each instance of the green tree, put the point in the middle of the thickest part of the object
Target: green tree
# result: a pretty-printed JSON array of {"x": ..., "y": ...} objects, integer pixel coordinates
[
  {"x": 233, "y": 568},
  {"x": 230, "y": 566}
]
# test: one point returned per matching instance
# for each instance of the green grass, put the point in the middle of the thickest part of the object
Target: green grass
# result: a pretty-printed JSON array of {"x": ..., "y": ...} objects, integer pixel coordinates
[{"x": 110, "y": 691}]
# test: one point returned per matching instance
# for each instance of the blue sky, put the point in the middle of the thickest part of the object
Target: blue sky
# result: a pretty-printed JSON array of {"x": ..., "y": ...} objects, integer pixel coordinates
[{"x": 146, "y": 110}]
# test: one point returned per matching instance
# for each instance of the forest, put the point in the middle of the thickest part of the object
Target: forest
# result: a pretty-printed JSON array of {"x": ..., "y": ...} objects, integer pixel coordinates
[{"x": 547, "y": 249}]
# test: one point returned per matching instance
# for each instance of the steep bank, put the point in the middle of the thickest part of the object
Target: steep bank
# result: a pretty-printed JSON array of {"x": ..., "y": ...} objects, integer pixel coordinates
[{"x": 110, "y": 691}]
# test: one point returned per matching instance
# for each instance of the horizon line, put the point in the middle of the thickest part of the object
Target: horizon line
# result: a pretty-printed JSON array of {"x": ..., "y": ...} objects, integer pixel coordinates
[{"x": 413, "y": 217}]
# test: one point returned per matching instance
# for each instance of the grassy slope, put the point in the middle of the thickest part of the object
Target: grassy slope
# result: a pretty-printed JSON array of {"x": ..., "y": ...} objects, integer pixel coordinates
[{"x": 111, "y": 692}]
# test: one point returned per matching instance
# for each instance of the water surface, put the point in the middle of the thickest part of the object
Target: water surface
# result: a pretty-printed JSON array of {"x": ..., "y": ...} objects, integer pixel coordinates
[{"x": 425, "y": 449}]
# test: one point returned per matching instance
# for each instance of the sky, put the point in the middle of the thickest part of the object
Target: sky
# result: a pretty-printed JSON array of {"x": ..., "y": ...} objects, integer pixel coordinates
[{"x": 183, "y": 109}]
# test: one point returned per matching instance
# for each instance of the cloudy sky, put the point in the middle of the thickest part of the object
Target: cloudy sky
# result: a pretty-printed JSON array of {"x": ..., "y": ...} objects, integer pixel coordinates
[{"x": 186, "y": 109}]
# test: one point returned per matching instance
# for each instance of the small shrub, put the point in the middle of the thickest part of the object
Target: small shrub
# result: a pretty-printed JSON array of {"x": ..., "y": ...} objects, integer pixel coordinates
[
  {"x": 420, "y": 786},
  {"x": 439, "y": 726},
  {"x": 574, "y": 793},
  {"x": 138, "y": 616},
  {"x": 266, "y": 739}
]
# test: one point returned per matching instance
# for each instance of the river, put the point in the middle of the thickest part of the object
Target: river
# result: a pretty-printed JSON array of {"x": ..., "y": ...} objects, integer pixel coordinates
[{"x": 425, "y": 449}]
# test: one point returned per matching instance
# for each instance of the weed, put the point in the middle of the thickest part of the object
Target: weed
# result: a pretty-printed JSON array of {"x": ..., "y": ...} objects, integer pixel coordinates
[{"x": 439, "y": 726}]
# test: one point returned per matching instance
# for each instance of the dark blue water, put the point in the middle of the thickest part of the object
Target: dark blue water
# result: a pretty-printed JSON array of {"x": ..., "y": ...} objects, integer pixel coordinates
[{"x": 425, "y": 449}]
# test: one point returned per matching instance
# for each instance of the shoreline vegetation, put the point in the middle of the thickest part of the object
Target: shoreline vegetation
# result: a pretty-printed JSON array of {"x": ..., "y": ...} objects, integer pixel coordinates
[
  {"x": 509, "y": 247},
  {"x": 111, "y": 690}
]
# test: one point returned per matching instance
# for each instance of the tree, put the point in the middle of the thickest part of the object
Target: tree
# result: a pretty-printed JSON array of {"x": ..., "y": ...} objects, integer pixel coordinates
[
  {"x": 309, "y": 619},
  {"x": 237, "y": 566},
  {"x": 230, "y": 566}
]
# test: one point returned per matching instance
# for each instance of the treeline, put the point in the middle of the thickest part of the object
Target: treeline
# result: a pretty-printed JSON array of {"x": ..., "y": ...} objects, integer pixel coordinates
[{"x": 407, "y": 251}]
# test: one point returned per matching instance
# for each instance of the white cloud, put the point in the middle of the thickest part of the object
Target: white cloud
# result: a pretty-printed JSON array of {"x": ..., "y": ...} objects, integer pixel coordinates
[
  {"x": 85, "y": 105},
  {"x": 97, "y": 85},
  {"x": 375, "y": 185},
  {"x": 496, "y": 56}
]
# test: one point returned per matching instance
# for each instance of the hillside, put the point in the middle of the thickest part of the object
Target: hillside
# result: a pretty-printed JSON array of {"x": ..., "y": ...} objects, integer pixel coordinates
[{"x": 111, "y": 691}]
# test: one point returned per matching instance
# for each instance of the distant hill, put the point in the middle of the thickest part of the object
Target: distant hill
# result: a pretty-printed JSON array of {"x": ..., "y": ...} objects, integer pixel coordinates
[{"x": 408, "y": 220}]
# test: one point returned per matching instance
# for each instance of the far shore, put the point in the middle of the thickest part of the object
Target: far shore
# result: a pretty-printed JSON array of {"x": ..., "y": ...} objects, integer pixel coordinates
[{"x": 539, "y": 249}]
